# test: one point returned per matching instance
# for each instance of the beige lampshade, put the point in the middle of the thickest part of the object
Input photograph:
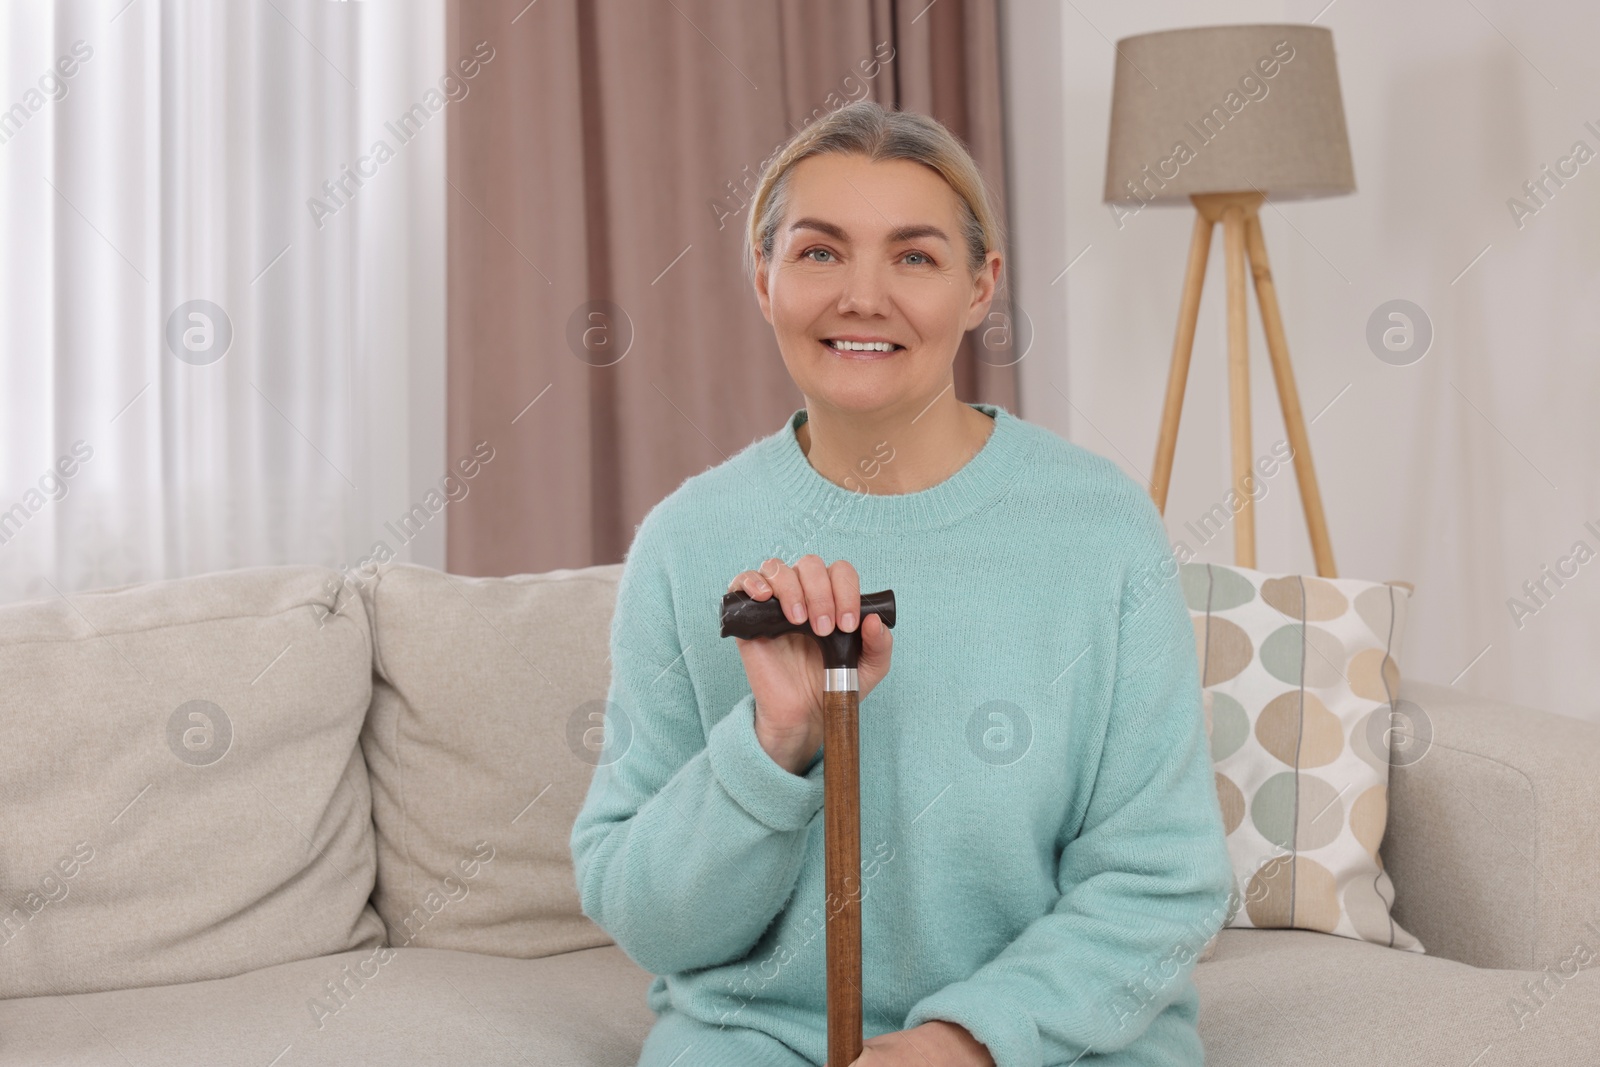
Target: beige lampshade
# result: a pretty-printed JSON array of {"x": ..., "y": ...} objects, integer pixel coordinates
[{"x": 1227, "y": 109}]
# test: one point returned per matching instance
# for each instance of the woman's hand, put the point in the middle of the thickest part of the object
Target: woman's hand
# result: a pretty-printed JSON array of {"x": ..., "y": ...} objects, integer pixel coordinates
[
  {"x": 785, "y": 672},
  {"x": 935, "y": 1043}
]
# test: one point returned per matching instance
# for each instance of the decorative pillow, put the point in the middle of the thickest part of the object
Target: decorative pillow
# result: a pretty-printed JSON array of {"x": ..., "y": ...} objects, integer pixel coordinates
[
  {"x": 182, "y": 785},
  {"x": 481, "y": 741},
  {"x": 1299, "y": 676}
]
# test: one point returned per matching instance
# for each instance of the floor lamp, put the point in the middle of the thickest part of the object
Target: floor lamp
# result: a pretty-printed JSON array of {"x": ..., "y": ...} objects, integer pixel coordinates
[{"x": 1222, "y": 117}]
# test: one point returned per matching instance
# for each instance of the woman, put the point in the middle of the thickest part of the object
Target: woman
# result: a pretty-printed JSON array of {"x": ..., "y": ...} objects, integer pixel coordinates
[{"x": 1042, "y": 846}]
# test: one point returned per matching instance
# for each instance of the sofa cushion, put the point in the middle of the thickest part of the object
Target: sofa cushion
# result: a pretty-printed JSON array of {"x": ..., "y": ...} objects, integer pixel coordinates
[
  {"x": 189, "y": 801},
  {"x": 413, "y": 1006},
  {"x": 1267, "y": 997},
  {"x": 477, "y": 747},
  {"x": 1492, "y": 840},
  {"x": 1303, "y": 997}
]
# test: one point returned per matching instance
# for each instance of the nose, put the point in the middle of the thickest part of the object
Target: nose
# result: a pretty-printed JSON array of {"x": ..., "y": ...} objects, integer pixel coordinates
[{"x": 864, "y": 292}]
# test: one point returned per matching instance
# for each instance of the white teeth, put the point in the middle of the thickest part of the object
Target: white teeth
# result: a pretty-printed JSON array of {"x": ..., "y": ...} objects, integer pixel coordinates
[{"x": 863, "y": 346}]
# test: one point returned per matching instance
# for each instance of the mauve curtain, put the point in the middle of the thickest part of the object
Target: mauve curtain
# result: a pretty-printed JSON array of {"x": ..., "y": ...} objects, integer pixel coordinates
[{"x": 602, "y": 336}]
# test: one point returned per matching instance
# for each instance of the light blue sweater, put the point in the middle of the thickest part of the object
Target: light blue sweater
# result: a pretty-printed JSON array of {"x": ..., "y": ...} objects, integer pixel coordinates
[{"x": 1042, "y": 847}]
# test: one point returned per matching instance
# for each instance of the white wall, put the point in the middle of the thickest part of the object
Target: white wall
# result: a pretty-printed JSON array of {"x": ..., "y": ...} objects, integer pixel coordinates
[{"x": 1464, "y": 473}]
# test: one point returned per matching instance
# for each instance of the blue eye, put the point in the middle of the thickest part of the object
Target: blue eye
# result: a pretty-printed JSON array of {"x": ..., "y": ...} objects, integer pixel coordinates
[{"x": 926, "y": 261}]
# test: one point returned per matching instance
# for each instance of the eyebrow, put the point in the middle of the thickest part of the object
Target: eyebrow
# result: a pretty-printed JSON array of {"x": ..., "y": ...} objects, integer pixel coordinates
[{"x": 903, "y": 233}]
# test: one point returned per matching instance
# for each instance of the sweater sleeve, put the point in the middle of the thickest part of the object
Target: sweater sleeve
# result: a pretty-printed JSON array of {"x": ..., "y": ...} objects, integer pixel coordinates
[
  {"x": 688, "y": 842},
  {"x": 1146, "y": 881}
]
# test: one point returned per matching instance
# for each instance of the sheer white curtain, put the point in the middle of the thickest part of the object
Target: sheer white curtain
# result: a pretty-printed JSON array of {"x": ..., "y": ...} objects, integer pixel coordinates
[{"x": 173, "y": 172}]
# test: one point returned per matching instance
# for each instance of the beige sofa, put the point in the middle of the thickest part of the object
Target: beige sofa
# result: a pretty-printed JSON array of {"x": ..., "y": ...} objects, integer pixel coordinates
[{"x": 260, "y": 817}]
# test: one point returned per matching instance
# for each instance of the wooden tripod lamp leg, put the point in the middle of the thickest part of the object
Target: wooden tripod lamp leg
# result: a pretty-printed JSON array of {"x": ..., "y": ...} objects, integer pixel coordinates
[
  {"x": 1241, "y": 229},
  {"x": 1194, "y": 280},
  {"x": 1289, "y": 397},
  {"x": 1244, "y": 530}
]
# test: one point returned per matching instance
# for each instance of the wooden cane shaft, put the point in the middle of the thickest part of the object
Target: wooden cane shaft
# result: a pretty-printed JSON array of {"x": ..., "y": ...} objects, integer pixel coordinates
[{"x": 841, "y": 815}]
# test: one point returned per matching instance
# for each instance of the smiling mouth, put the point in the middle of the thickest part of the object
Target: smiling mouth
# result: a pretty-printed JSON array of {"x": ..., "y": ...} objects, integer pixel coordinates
[{"x": 862, "y": 353}]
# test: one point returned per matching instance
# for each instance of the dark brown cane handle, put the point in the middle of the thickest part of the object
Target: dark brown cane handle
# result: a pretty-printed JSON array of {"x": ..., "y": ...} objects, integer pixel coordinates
[{"x": 745, "y": 617}]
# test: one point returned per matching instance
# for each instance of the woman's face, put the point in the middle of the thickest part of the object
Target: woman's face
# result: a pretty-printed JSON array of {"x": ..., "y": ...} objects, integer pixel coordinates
[{"x": 871, "y": 251}]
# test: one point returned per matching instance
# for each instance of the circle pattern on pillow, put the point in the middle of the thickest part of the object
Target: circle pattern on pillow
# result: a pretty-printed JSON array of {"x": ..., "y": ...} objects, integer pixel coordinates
[{"x": 1228, "y": 723}]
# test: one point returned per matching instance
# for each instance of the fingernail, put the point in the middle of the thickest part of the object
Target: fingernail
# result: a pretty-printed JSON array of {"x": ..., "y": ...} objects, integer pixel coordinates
[
  {"x": 824, "y": 624},
  {"x": 797, "y": 612},
  {"x": 847, "y": 622}
]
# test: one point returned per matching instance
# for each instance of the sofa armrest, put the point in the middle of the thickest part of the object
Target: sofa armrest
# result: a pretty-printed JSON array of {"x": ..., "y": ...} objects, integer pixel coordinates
[{"x": 1492, "y": 831}]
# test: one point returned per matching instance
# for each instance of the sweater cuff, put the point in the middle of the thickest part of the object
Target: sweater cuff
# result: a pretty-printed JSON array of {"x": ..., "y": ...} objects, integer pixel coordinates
[
  {"x": 1010, "y": 1035},
  {"x": 772, "y": 796}
]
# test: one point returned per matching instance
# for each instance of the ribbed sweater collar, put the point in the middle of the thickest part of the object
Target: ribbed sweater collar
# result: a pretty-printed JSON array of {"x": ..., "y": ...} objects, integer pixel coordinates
[{"x": 984, "y": 479}]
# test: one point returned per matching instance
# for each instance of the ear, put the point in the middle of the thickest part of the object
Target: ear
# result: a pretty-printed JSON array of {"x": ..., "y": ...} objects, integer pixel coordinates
[
  {"x": 763, "y": 298},
  {"x": 983, "y": 289}
]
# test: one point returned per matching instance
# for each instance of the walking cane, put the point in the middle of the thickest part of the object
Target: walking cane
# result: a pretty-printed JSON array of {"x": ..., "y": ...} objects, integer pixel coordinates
[{"x": 841, "y": 796}]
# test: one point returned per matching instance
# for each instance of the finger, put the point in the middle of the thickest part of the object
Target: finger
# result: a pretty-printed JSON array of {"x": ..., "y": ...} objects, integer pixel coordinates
[
  {"x": 786, "y": 584},
  {"x": 877, "y": 640},
  {"x": 752, "y": 583},
  {"x": 819, "y": 592},
  {"x": 846, "y": 594}
]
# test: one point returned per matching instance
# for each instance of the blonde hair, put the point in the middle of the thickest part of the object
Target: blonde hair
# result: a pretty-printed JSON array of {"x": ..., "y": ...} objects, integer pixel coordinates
[{"x": 865, "y": 128}]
